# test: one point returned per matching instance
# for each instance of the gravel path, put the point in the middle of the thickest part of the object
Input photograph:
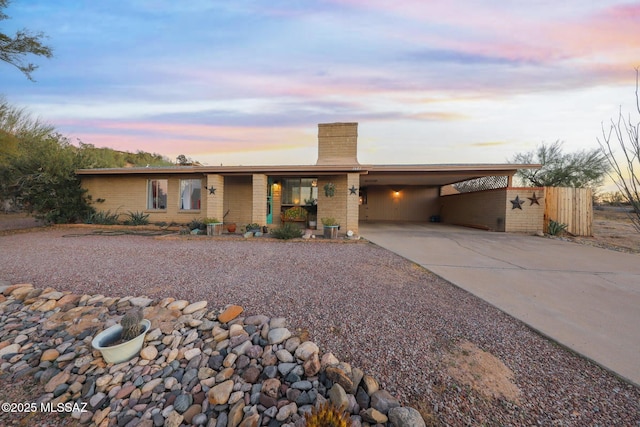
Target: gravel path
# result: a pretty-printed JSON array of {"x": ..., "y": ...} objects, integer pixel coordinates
[{"x": 365, "y": 304}]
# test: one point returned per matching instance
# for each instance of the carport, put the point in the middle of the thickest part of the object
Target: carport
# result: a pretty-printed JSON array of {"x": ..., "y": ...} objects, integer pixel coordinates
[{"x": 425, "y": 193}]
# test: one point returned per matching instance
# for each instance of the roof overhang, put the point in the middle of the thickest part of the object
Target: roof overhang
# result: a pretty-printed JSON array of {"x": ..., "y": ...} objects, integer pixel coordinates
[
  {"x": 437, "y": 175},
  {"x": 425, "y": 175},
  {"x": 233, "y": 170}
]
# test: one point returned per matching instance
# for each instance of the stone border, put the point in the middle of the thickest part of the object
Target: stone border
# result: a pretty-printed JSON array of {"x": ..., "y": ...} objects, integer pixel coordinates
[{"x": 197, "y": 366}]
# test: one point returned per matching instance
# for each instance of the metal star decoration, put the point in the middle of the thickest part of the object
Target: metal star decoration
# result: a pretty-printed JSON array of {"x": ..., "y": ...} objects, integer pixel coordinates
[
  {"x": 517, "y": 203},
  {"x": 534, "y": 199},
  {"x": 212, "y": 190},
  {"x": 353, "y": 190}
]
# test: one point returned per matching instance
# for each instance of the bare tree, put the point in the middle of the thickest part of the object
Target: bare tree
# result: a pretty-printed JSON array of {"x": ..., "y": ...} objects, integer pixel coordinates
[{"x": 626, "y": 167}]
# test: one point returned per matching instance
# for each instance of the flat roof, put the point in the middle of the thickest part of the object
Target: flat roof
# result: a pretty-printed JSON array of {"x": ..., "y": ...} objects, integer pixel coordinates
[{"x": 399, "y": 174}]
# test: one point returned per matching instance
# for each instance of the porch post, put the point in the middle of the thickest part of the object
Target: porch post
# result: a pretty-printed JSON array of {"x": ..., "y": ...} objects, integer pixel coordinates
[
  {"x": 215, "y": 201},
  {"x": 259, "y": 203},
  {"x": 353, "y": 202}
]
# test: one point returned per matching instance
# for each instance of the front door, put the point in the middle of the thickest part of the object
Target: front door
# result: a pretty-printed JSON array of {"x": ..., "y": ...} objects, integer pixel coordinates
[{"x": 269, "y": 200}]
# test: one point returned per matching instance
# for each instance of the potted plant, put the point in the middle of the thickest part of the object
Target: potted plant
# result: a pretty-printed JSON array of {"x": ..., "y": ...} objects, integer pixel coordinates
[
  {"x": 196, "y": 226},
  {"x": 330, "y": 228},
  {"x": 214, "y": 226},
  {"x": 231, "y": 227},
  {"x": 252, "y": 229},
  {"x": 124, "y": 340},
  {"x": 311, "y": 205}
]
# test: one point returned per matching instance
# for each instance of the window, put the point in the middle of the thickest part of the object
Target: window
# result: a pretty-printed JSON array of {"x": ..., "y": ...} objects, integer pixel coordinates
[
  {"x": 296, "y": 190},
  {"x": 157, "y": 194},
  {"x": 190, "y": 194}
]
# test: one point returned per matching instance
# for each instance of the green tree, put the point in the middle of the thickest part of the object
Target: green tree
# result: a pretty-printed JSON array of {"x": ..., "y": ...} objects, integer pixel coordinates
[
  {"x": 38, "y": 165},
  {"x": 586, "y": 168},
  {"x": 14, "y": 49},
  {"x": 44, "y": 182}
]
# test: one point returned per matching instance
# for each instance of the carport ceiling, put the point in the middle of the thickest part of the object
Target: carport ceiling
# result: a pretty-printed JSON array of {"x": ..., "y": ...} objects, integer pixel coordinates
[{"x": 435, "y": 175}]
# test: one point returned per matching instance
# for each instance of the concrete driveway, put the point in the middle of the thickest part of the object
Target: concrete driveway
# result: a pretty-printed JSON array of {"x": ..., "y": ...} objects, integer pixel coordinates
[{"x": 585, "y": 298}]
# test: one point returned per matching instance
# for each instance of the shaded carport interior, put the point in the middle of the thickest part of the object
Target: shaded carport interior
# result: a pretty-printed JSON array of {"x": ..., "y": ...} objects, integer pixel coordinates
[{"x": 412, "y": 193}]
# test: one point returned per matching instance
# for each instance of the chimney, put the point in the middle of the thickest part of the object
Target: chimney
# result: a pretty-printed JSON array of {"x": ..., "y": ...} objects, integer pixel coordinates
[{"x": 337, "y": 144}]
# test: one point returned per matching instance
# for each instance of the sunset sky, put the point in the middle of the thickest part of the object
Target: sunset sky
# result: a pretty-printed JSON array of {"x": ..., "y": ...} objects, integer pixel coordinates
[{"x": 247, "y": 82}]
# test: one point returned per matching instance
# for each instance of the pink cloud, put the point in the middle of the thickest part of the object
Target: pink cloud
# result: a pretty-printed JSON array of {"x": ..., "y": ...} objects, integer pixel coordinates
[{"x": 191, "y": 140}]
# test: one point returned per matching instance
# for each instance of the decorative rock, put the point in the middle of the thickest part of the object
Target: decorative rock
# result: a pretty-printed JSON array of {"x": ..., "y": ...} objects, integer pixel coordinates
[
  {"x": 193, "y": 335},
  {"x": 140, "y": 301},
  {"x": 370, "y": 384},
  {"x": 182, "y": 403},
  {"x": 328, "y": 359},
  {"x": 49, "y": 355},
  {"x": 151, "y": 385},
  {"x": 251, "y": 374},
  {"x": 235, "y": 397},
  {"x": 125, "y": 391},
  {"x": 235, "y": 330},
  {"x": 235, "y": 414},
  {"x": 306, "y": 350},
  {"x": 278, "y": 335},
  {"x": 13, "y": 348},
  {"x": 405, "y": 417},
  {"x": 219, "y": 395},
  {"x": 149, "y": 353},
  {"x": 374, "y": 416},
  {"x": 250, "y": 421},
  {"x": 196, "y": 306},
  {"x": 190, "y": 356},
  {"x": 337, "y": 375},
  {"x": 199, "y": 419},
  {"x": 338, "y": 396},
  {"x": 230, "y": 313},
  {"x": 312, "y": 365},
  {"x": 47, "y": 306},
  {"x": 383, "y": 401},
  {"x": 97, "y": 400},
  {"x": 286, "y": 411},
  {"x": 270, "y": 387},
  {"x": 178, "y": 305},
  {"x": 54, "y": 382},
  {"x": 191, "y": 353},
  {"x": 284, "y": 356},
  {"x": 173, "y": 420},
  {"x": 191, "y": 412}
]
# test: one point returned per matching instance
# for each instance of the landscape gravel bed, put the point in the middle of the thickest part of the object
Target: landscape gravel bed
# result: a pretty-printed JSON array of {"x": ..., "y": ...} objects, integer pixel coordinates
[{"x": 368, "y": 306}]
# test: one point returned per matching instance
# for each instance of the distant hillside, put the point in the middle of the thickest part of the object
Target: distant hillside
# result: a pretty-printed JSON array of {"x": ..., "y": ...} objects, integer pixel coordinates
[{"x": 93, "y": 157}]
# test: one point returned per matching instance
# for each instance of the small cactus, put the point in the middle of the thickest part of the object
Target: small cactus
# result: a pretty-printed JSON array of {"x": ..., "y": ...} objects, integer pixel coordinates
[
  {"x": 131, "y": 327},
  {"x": 327, "y": 416}
]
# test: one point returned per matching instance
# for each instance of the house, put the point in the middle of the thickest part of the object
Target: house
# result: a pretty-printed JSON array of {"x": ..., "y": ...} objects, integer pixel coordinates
[{"x": 344, "y": 189}]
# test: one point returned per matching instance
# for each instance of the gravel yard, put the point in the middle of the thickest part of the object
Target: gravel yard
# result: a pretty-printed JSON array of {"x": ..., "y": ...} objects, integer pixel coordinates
[{"x": 366, "y": 305}]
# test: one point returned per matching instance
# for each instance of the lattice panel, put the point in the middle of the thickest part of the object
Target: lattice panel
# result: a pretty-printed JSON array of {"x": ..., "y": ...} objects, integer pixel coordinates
[{"x": 483, "y": 183}]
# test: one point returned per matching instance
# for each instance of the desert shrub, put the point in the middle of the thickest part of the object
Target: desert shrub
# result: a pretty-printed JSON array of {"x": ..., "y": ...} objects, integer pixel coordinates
[
  {"x": 103, "y": 218},
  {"x": 197, "y": 224},
  {"x": 287, "y": 231},
  {"x": 251, "y": 227},
  {"x": 556, "y": 228},
  {"x": 137, "y": 218}
]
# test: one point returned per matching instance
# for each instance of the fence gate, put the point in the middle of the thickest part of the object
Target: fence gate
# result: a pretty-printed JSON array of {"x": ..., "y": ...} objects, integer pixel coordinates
[{"x": 571, "y": 206}]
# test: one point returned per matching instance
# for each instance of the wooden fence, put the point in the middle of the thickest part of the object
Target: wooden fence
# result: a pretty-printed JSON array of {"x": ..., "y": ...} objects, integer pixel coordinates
[{"x": 571, "y": 206}]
